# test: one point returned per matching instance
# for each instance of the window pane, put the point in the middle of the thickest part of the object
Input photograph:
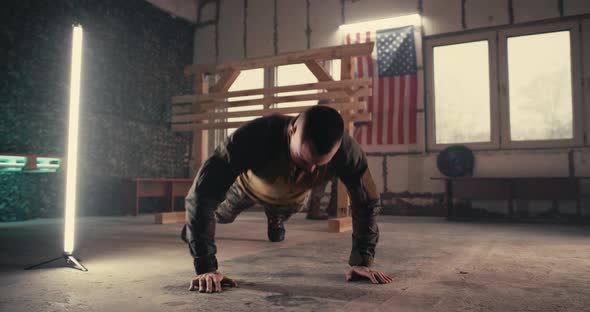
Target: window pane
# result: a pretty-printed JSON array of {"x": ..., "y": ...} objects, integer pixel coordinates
[
  {"x": 462, "y": 93},
  {"x": 336, "y": 69},
  {"x": 248, "y": 79},
  {"x": 294, "y": 75},
  {"x": 540, "y": 84}
]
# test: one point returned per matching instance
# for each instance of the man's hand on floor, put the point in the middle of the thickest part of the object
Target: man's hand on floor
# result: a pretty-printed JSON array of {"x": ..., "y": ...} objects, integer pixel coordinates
[
  {"x": 211, "y": 282},
  {"x": 375, "y": 276}
]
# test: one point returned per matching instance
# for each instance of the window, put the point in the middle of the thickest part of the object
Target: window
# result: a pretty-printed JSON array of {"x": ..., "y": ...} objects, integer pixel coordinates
[
  {"x": 335, "y": 68},
  {"x": 294, "y": 75},
  {"x": 461, "y": 91},
  {"x": 540, "y": 87},
  {"x": 524, "y": 93},
  {"x": 248, "y": 79}
]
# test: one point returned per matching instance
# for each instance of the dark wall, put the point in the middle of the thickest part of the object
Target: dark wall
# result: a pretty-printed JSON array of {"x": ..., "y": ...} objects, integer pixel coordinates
[{"x": 133, "y": 59}]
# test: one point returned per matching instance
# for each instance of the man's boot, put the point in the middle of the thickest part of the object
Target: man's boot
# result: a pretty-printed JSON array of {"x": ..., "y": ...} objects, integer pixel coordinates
[{"x": 276, "y": 230}]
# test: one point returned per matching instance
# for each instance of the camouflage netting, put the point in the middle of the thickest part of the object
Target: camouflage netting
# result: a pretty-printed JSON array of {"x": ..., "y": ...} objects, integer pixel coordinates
[{"x": 133, "y": 61}]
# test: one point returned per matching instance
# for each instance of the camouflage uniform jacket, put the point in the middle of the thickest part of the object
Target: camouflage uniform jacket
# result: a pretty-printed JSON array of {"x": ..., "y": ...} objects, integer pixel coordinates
[{"x": 252, "y": 147}]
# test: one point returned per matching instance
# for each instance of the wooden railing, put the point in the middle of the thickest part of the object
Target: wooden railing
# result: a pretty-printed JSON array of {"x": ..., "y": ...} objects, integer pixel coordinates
[{"x": 345, "y": 99}]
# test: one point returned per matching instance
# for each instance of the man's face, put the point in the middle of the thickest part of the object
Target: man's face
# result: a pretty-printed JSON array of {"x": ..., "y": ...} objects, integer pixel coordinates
[{"x": 304, "y": 154}]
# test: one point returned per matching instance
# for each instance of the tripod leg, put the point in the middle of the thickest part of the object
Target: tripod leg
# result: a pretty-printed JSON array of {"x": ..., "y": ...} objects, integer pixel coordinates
[
  {"x": 42, "y": 263},
  {"x": 79, "y": 265}
]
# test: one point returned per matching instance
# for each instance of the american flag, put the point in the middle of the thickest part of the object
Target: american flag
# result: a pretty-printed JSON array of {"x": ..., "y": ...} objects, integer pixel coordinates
[{"x": 393, "y": 69}]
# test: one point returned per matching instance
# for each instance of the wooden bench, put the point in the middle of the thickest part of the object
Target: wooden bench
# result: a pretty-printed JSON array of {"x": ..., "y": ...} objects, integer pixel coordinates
[
  {"x": 167, "y": 188},
  {"x": 511, "y": 188}
]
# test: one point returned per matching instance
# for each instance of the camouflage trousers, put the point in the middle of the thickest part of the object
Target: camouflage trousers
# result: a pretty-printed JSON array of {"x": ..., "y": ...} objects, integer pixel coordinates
[{"x": 236, "y": 201}]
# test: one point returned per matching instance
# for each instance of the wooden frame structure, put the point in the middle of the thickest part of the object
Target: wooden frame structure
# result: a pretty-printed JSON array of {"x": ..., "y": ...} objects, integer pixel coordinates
[{"x": 206, "y": 109}]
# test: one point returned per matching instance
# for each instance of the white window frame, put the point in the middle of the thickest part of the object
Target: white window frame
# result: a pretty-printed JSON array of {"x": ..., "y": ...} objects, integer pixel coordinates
[
  {"x": 576, "y": 66},
  {"x": 431, "y": 101},
  {"x": 216, "y": 136}
]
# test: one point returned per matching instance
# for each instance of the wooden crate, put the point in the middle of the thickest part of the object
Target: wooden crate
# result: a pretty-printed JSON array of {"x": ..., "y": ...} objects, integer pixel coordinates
[{"x": 170, "y": 217}]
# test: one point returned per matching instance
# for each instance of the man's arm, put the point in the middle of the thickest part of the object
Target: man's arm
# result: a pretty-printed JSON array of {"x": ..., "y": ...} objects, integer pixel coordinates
[
  {"x": 242, "y": 151},
  {"x": 354, "y": 172},
  {"x": 352, "y": 169}
]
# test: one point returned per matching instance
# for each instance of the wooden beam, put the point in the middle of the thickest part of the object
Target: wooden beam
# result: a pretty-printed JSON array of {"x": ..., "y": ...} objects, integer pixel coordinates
[
  {"x": 361, "y": 117},
  {"x": 339, "y": 225},
  {"x": 182, "y": 109},
  {"x": 225, "y": 82},
  {"x": 200, "y": 84},
  {"x": 322, "y": 75},
  {"x": 318, "y": 71},
  {"x": 322, "y": 85},
  {"x": 170, "y": 217},
  {"x": 346, "y": 68},
  {"x": 343, "y": 221},
  {"x": 187, "y": 127},
  {"x": 287, "y": 99},
  {"x": 214, "y": 125},
  {"x": 342, "y": 209},
  {"x": 342, "y": 201},
  {"x": 327, "y": 53},
  {"x": 200, "y": 138},
  {"x": 289, "y": 110}
]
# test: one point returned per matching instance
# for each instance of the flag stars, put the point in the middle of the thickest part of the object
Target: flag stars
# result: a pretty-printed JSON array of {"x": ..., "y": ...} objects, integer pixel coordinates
[{"x": 395, "y": 52}]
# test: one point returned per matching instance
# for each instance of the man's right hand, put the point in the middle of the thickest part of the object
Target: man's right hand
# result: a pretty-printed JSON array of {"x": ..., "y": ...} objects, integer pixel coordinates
[{"x": 211, "y": 282}]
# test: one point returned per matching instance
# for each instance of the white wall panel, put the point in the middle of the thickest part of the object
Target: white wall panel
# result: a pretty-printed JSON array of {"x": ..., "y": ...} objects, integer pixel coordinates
[
  {"x": 486, "y": 13},
  {"x": 441, "y": 16},
  {"x": 521, "y": 164},
  {"x": 231, "y": 30},
  {"x": 532, "y": 10},
  {"x": 208, "y": 12},
  {"x": 376, "y": 167},
  {"x": 324, "y": 19},
  {"x": 181, "y": 8},
  {"x": 204, "y": 45},
  {"x": 576, "y": 7},
  {"x": 367, "y": 10},
  {"x": 397, "y": 173},
  {"x": 582, "y": 163},
  {"x": 292, "y": 20},
  {"x": 260, "y": 28}
]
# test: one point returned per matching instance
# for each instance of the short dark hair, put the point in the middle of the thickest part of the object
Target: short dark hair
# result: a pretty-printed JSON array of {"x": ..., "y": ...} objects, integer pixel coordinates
[{"x": 323, "y": 127}]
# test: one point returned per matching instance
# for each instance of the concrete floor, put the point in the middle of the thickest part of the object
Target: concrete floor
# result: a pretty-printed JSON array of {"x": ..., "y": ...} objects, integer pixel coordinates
[{"x": 438, "y": 266}]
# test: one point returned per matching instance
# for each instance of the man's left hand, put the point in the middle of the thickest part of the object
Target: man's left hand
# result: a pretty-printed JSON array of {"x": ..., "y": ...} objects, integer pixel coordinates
[{"x": 375, "y": 276}]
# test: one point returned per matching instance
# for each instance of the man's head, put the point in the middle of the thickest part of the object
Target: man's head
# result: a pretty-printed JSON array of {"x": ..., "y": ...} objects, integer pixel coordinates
[{"x": 315, "y": 137}]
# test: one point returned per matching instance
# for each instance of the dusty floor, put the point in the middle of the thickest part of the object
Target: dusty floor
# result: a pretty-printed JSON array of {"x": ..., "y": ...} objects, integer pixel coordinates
[{"x": 438, "y": 266}]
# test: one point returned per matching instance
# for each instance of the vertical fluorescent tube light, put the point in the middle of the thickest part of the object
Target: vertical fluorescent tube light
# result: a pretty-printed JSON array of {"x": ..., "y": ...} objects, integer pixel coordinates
[
  {"x": 72, "y": 157},
  {"x": 72, "y": 160}
]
